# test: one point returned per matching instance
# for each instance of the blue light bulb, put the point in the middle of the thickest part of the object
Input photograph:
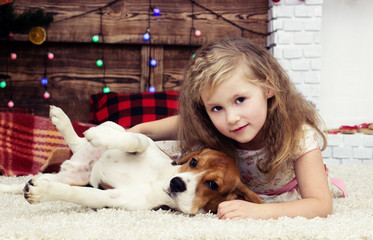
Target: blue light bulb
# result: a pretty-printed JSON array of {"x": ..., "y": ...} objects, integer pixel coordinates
[
  {"x": 156, "y": 11},
  {"x": 44, "y": 81},
  {"x": 146, "y": 36},
  {"x": 153, "y": 62},
  {"x": 151, "y": 89}
]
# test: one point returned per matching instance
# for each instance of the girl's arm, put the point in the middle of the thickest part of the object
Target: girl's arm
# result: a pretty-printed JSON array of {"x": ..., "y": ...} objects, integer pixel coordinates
[
  {"x": 313, "y": 185},
  {"x": 163, "y": 129}
]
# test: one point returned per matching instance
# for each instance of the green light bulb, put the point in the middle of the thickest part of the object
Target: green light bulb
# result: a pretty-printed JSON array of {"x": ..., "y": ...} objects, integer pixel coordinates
[
  {"x": 99, "y": 62},
  {"x": 3, "y": 84},
  {"x": 106, "y": 90},
  {"x": 96, "y": 38}
]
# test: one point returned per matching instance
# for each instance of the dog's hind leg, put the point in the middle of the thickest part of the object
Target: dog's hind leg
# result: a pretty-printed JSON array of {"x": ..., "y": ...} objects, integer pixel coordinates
[
  {"x": 113, "y": 125},
  {"x": 14, "y": 188},
  {"x": 63, "y": 124},
  {"x": 108, "y": 137}
]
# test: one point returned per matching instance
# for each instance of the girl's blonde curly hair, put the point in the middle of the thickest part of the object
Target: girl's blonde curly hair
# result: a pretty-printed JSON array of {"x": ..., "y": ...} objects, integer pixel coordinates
[{"x": 287, "y": 110}]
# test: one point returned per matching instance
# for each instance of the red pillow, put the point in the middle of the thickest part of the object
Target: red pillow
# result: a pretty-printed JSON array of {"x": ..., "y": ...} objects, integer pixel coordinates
[{"x": 130, "y": 109}]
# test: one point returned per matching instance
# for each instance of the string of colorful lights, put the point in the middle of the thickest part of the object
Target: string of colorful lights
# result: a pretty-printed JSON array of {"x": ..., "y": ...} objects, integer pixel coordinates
[{"x": 99, "y": 38}]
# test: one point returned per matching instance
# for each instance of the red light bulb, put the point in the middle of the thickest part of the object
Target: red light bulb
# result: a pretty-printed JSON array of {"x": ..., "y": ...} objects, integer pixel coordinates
[
  {"x": 13, "y": 56},
  {"x": 50, "y": 55},
  {"x": 197, "y": 33}
]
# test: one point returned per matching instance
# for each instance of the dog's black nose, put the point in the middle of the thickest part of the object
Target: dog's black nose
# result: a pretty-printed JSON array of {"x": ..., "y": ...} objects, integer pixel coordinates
[{"x": 177, "y": 185}]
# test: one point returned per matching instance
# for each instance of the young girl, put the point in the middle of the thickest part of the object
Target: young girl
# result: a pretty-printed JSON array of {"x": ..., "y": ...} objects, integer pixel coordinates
[{"x": 237, "y": 98}]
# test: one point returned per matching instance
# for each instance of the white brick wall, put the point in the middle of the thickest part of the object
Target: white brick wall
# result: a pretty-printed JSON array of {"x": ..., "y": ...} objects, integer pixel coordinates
[
  {"x": 296, "y": 31},
  {"x": 297, "y": 26},
  {"x": 349, "y": 149}
]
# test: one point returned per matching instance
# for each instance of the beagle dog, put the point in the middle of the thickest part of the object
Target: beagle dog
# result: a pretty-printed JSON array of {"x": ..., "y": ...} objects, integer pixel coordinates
[{"x": 128, "y": 170}]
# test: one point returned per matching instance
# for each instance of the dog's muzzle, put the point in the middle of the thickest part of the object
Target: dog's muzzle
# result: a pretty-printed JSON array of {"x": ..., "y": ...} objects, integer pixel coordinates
[{"x": 177, "y": 185}]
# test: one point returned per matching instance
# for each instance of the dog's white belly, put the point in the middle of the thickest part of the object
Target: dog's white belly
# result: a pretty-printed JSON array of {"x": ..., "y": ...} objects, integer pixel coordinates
[
  {"x": 139, "y": 178},
  {"x": 118, "y": 169}
]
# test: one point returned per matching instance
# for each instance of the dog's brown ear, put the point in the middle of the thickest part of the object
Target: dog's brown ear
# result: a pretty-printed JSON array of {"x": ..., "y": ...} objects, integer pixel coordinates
[
  {"x": 188, "y": 156},
  {"x": 243, "y": 191}
]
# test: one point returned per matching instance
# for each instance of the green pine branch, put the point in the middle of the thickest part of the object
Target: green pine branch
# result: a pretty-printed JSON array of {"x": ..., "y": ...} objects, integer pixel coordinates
[{"x": 11, "y": 22}]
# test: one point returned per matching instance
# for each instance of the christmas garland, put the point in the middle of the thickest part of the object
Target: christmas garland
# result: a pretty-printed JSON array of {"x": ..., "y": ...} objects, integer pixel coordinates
[{"x": 12, "y": 23}]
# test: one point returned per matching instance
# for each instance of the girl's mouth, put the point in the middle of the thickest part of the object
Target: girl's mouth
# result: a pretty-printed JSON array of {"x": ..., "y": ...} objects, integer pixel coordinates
[{"x": 240, "y": 129}]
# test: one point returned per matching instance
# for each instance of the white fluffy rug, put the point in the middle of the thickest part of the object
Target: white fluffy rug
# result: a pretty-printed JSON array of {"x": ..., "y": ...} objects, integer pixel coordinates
[{"x": 352, "y": 219}]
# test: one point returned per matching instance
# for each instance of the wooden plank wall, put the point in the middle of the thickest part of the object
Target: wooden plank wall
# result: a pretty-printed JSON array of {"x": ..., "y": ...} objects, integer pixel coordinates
[{"x": 73, "y": 75}]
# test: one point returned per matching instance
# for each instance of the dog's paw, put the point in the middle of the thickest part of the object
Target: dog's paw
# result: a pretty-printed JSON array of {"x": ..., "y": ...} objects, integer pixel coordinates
[
  {"x": 58, "y": 117},
  {"x": 113, "y": 125},
  {"x": 100, "y": 136},
  {"x": 35, "y": 190}
]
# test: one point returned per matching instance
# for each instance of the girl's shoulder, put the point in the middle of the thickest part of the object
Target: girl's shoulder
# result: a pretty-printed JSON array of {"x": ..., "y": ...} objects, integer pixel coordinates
[
  {"x": 309, "y": 140},
  {"x": 310, "y": 135}
]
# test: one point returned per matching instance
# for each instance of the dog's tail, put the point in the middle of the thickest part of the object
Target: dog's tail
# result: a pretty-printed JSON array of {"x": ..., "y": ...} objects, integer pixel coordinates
[{"x": 13, "y": 188}]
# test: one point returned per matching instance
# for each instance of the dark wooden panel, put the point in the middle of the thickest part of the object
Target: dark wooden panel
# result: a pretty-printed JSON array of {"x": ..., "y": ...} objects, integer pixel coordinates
[
  {"x": 174, "y": 60},
  {"x": 151, "y": 75},
  {"x": 73, "y": 75},
  {"x": 126, "y": 21}
]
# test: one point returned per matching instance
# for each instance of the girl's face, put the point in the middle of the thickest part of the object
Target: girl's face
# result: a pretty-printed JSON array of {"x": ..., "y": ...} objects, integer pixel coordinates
[{"x": 238, "y": 109}]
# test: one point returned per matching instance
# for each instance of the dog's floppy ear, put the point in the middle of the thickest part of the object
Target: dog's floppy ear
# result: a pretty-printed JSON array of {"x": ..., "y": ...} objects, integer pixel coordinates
[
  {"x": 242, "y": 191},
  {"x": 188, "y": 156}
]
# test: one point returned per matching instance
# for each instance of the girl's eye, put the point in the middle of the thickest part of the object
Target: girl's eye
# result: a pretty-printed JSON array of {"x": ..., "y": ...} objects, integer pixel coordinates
[
  {"x": 216, "y": 109},
  {"x": 240, "y": 100}
]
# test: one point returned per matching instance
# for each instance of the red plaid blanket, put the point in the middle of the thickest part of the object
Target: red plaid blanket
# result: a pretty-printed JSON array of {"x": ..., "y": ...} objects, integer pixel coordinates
[
  {"x": 31, "y": 144},
  {"x": 130, "y": 109}
]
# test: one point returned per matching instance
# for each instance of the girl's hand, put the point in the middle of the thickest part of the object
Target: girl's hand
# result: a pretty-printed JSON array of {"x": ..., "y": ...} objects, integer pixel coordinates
[
  {"x": 162, "y": 129},
  {"x": 313, "y": 186},
  {"x": 239, "y": 209}
]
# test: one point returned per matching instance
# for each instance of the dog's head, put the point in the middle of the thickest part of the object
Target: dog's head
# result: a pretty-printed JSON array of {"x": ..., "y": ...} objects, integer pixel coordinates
[{"x": 206, "y": 178}]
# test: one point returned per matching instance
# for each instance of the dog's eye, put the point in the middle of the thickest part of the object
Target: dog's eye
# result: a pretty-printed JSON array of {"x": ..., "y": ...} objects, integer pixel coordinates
[
  {"x": 212, "y": 185},
  {"x": 193, "y": 163}
]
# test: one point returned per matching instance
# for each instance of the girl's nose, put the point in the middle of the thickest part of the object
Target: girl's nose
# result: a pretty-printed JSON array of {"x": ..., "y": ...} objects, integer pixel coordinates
[{"x": 232, "y": 117}]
